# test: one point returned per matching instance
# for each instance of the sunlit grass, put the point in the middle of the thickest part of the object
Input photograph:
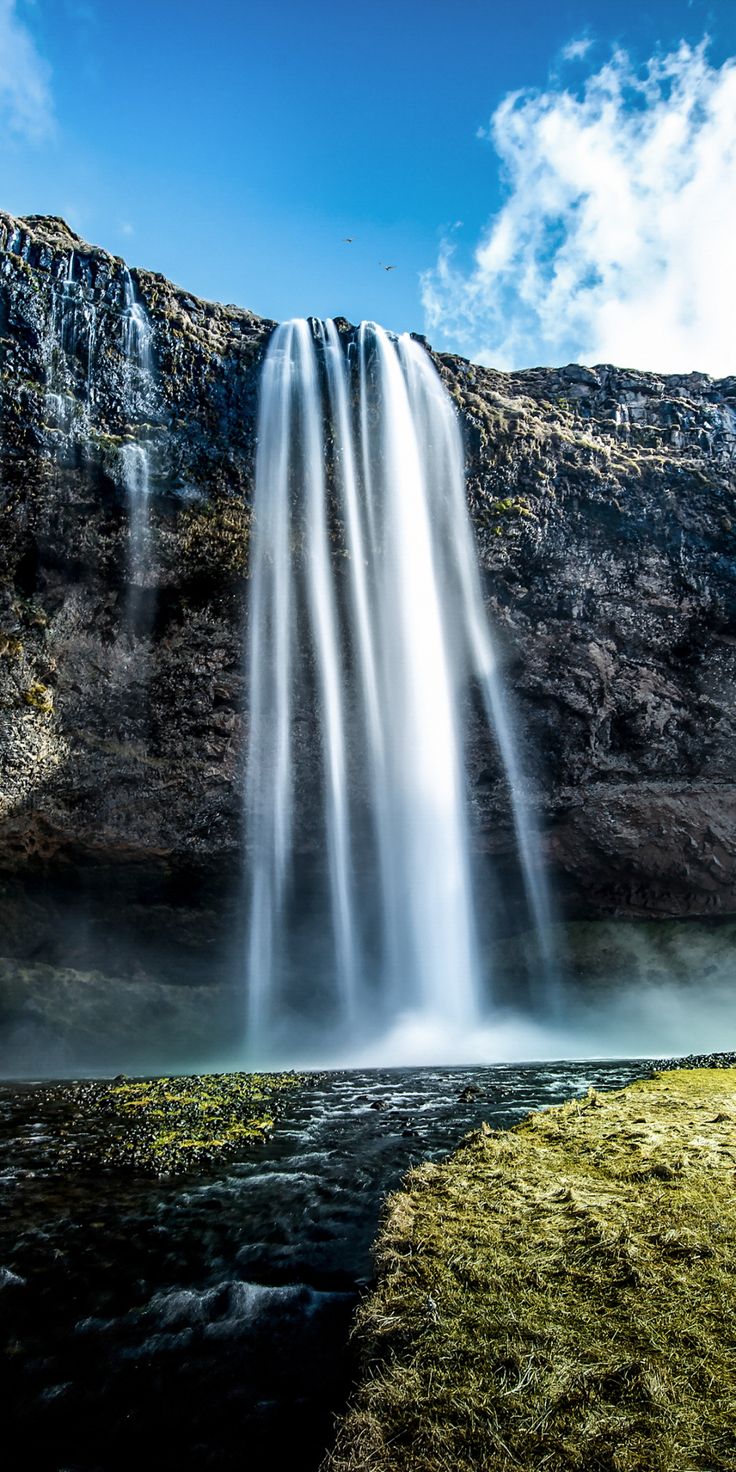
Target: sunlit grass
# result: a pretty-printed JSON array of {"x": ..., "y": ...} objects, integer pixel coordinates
[{"x": 561, "y": 1296}]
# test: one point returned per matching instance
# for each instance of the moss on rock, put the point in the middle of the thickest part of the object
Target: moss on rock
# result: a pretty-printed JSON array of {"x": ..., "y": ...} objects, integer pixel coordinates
[
  {"x": 165, "y": 1126},
  {"x": 560, "y": 1295},
  {"x": 214, "y": 538},
  {"x": 39, "y": 697}
]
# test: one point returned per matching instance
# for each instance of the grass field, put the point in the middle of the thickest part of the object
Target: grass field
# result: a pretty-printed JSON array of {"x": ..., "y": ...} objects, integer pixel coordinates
[{"x": 561, "y": 1295}]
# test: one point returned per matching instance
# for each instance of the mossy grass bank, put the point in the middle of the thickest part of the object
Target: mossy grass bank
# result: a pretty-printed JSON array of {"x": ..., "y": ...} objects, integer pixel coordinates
[
  {"x": 561, "y": 1295},
  {"x": 165, "y": 1126}
]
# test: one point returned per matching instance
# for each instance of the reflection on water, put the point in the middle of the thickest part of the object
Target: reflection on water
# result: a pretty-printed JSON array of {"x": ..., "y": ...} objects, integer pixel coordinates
[{"x": 212, "y": 1314}]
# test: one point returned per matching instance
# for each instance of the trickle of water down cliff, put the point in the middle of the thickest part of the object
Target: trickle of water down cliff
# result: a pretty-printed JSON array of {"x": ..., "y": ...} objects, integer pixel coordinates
[
  {"x": 367, "y": 623},
  {"x": 72, "y": 349}
]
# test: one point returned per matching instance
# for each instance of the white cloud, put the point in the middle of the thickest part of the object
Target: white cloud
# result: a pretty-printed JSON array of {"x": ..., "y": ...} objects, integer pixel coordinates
[
  {"x": 616, "y": 241},
  {"x": 26, "y": 107},
  {"x": 576, "y": 50}
]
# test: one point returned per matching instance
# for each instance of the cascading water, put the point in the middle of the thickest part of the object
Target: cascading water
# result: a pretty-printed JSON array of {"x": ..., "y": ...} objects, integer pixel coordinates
[
  {"x": 367, "y": 627},
  {"x": 71, "y": 339},
  {"x": 136, "y": 472},
  {"x": 136, "y": 328},
  {"x": 73, "y": 367},
  {"x": 137, "y": 482}
]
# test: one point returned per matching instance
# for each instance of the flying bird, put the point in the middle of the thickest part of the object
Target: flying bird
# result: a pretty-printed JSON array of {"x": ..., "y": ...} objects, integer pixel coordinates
[
  {"x": 387, "y": 268},
  {"x": 347, "y": 240}
]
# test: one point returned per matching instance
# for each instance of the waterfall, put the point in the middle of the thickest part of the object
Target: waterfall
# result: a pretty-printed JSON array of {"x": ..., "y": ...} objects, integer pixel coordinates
[
  {"x": 136, "y": 328},
  {"x": 81, "y": 374},
  {"x": 366, "y": 633},
  {"x": 70, "y": 340},
  {"x": 136, "y": 479},
  {"x": 136, "y": 339}
]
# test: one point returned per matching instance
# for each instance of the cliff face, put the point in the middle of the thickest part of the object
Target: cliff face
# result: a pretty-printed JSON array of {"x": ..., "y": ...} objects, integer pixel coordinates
[{"x": 604, "y": 504}]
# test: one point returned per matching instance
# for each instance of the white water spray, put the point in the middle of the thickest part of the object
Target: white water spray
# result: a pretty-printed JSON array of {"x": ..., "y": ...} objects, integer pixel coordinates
[{"x": 367, "y": 629}]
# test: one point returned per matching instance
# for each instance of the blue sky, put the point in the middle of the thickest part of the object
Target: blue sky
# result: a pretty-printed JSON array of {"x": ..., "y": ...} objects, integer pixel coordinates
[{"x": 233, "y": 145}]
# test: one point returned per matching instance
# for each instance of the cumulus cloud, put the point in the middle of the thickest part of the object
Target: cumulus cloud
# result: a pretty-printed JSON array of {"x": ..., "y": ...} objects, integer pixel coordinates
[
  {"x": 26, "y": 108},
  {"x": 616, "y": 239}
]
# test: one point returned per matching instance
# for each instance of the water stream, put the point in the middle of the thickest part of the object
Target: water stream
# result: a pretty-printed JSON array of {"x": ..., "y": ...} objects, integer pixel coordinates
[
  {"x": 69, "y": 351},
  {"x": 136, "y": 343},
  {"x": 72, "y": 364},
  {"x": 205, "y": 1323}
]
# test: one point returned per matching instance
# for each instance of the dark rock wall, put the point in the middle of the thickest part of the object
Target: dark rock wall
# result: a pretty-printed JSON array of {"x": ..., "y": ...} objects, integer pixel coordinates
[
  {"x": 120, "y": 735},
  {"x": 604, "y": 504}
]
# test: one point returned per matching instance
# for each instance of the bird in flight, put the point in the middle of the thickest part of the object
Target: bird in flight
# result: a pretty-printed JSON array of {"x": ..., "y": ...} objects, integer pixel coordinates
[
  {"x": 348, "y": 240},
  {"x": 387, "y": 268}
]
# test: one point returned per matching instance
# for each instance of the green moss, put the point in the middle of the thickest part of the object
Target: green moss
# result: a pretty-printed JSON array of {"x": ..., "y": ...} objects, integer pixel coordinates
[
  {"x": 108, "y": 441},
  {"x": 39, "y": 697},
  {"x": 21, "y": 264},
  {"x": 512, "y": 506},
  {"x": 214, "y": 537},
  {"x": 164, "y": 1126},
  {"x": 10, "y": 646},
  {"x": 560, "y": 1295}
]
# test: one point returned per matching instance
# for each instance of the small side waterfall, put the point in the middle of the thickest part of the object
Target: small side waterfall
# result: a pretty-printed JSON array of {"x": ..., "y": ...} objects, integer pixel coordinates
[
  {"x": 136, "y": 328},
  {"x": 71, "y": 340},
  {"x": 137, "y": 482},
  {"x": 136, "y": 336},
  {"x": 98, "y": 350},
  {"x": 367, "y": 631}
]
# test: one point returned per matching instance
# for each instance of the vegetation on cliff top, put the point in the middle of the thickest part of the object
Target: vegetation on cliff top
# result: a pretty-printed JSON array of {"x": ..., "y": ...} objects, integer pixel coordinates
[
  {"x": 164, "y": 1126},
  {"x": 561, "y": 1295}
]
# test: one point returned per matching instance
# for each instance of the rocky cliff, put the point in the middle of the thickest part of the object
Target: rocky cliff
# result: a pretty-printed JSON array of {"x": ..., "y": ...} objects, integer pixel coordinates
[{"x": 604, "y": 503}]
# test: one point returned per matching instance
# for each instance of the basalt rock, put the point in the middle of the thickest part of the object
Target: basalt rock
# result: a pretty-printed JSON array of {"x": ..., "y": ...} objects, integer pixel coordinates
[{"x": 604, "y": 505}]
